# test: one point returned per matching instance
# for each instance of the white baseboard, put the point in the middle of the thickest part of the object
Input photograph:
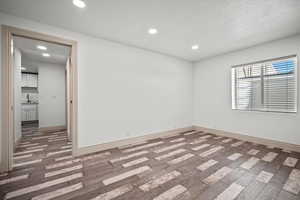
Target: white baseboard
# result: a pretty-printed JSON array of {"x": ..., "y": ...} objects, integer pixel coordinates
[
  {"x": 17, "y": 143},
  {"x": 129, "y": 141},
  {"x": 140, "y": 139},
  {"x": 52, "y": 128},
  {"x": 2, "y": 168},
  {"x": 263, "y": 141}
]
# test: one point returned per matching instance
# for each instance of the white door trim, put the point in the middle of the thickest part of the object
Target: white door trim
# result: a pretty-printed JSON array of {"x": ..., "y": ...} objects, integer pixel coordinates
[{"x": 7, "y": 130}]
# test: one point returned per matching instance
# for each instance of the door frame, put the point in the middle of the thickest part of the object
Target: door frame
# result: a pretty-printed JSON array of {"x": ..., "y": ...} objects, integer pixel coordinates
[{"x": 7, "y": 131}]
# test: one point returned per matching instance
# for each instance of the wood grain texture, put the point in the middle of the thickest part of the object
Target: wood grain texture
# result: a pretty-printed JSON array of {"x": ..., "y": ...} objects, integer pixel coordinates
[{"x": 155, "y": 169}]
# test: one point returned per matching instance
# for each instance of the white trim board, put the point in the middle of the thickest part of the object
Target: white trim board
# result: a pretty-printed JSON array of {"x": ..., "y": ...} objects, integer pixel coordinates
[
  {"x": 129, "y": 141},
  {"x": 258, "y": 140},
  {"x": 136, "y": 140},
  {"x": 52, "y": 128}
]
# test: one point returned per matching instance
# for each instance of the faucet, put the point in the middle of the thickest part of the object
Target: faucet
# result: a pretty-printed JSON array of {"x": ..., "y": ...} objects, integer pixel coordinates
[{"x": 27, "y": 96}]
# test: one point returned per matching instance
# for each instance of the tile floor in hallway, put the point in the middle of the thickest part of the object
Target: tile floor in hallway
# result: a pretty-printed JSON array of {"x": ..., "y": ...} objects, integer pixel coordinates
[{"x": 191, "y": 165}]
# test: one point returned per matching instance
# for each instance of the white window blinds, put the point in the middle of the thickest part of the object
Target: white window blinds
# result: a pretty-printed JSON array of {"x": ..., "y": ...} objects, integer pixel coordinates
[{"x": 266, "y": 86}]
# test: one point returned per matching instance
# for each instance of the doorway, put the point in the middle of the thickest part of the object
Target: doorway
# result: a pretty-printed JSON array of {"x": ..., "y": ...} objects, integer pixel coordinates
[{"x": 39, "y": 90}]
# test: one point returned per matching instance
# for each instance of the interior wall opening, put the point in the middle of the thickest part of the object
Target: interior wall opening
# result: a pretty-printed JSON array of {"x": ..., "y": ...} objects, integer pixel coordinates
[{"x": 41, "y": 95}]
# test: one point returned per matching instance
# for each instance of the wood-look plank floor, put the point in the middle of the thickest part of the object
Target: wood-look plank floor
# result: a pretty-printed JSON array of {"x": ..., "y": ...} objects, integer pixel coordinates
[{"x": 192, "y": 165}]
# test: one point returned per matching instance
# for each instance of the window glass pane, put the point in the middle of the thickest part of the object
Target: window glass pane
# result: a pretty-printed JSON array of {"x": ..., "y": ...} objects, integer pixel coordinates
[
  {"x": 279, "y": 86},
  {"x": 266, "y": 86}
]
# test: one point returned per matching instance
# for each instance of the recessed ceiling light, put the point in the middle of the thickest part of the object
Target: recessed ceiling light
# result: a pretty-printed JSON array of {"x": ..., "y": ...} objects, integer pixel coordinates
[
  {"x": 79, "y": 3},
  {"x": 41, "y": 47},
  {"x": 23, "y": 68},
  {"x": 152, "y": 31},
  {"x": 46, "y": 54},
  {"x": 195, "y": 47}
]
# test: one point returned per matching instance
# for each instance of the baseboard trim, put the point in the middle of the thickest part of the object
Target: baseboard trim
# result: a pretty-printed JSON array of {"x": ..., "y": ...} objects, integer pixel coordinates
[
  {"x": 258, "y": 140},
  {"x": 17, "y": 143},
  {"x": 130, "y": 141},
  {"x": 52, "y": 128},
  {"x": 136, "y": 140},
  {"x": 2, "y": 168}
]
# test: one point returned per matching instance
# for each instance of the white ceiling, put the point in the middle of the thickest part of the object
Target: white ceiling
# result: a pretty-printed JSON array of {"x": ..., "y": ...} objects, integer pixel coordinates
[
  {"x": 218, "y": 26},
  {"x": 28, "y": 47}
]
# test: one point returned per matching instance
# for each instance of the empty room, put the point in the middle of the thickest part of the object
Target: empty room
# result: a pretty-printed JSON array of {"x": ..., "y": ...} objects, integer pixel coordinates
[{"x": 152, "y": 100}]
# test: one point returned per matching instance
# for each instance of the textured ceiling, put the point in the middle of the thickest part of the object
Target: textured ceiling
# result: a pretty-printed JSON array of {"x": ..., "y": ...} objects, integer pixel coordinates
[{"x": 218, "y": 26}]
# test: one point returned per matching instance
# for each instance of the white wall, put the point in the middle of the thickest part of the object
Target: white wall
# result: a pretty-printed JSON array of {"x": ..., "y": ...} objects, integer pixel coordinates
[
  {"x": 17, "y": 94},
  {"x": 52, "y": 95},
  {"x": 212, "y": 95},
  {"x": 123, "y": 91}
]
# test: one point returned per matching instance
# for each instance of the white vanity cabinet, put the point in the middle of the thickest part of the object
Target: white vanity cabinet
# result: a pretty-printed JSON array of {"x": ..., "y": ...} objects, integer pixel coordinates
[
  {"x": 29, "y": 80},
  {"x": 29, "y": 112}
]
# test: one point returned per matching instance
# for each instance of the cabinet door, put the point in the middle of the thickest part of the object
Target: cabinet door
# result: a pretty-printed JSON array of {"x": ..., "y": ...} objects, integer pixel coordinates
[
  {"x": 34, "y": 81},
  {"x": 29, "y": 115},
  {"x": 30, "y": 80},
  {"x": 34, "y": 111},
  {"x": 26, "y": 115},
  {"x": 23, "y": 80},
  {"x": 32, "y": 115},
  {"x": 26, "y": 80},
  {"x": 23, "y": 115}
]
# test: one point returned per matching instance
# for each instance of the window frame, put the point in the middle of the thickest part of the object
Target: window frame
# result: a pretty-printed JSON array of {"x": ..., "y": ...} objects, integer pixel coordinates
[{"x": 234, "y": 88}]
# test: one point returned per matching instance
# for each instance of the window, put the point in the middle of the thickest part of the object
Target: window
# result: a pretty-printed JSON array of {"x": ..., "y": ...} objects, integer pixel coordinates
[{"x": 266, "y": 86}]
